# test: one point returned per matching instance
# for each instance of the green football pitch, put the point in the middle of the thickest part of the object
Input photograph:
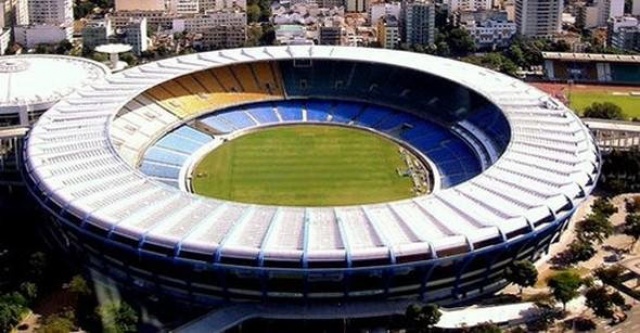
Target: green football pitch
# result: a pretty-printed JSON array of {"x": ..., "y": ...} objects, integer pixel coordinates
[
  {"x": 304, "y": 165},
  {"x": 581, "y": 99}
]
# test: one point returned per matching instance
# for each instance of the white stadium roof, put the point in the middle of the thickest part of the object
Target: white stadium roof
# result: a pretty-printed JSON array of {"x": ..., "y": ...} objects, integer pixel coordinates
[
  {"x": 547, "y": 166},
  {"x": 38, "y": 81}
]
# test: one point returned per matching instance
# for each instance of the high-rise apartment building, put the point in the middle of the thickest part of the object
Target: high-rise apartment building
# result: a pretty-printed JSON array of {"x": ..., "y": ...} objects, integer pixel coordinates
[
  {"x": 469, "y": 5},
  {"x": 420, "y": 23},
  {"x": 538, "y": 18},
  {"x": 136, "y": 35},
  {"x": 51, "y": 12}
]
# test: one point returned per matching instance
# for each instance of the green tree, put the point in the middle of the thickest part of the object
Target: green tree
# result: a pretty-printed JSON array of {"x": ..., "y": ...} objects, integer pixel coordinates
[
  {"x": 610, "y": 275},
  {"x": 594, "y": 228},
  {"x": 522, "y": 273},
  {"x": 29, "y": 290},
  {"x": 422, "y": 318},
  {"x": 12, "y": 306},
  {"x": 460, "y": 42},
  {"x": 631, "y": 227},
  {"x": 78, "y": 285},
  {"x": 564, "y": 286},
  {"x": 604, "y": 206},
  {"x": 581, "y": 250},
  {"x": 118, "y": 317},
  {"x": 56, "y": 324},
  {"x": 486, "y": 328},
  {"x": 253, "y": 13},
  {"x": 599, "y": 300},
  {"x": 604, "y": 110}
]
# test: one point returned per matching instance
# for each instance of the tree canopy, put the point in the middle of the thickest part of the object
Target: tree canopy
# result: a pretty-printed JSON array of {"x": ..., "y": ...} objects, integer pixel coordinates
[
  {"x": 118, "y": 317},
  {"x": 604, "y": 110},
  {"x": 422, "y": 318},
  {"x": 581, "y": 250},
  {"x": 594, "y": 228},
  {"x": 564, "y": 286},
  {"x": 631, "y": 227},
  {"x": 522, "y": 273}
]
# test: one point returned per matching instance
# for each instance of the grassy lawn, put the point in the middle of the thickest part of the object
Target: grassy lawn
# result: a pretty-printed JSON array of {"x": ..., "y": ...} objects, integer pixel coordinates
[
  {"x": 304, "y": 166},
  {"x": 630, "y": 104}
]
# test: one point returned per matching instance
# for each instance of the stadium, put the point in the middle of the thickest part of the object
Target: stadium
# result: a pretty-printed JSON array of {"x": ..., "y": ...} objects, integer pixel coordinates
[{"x": 502, "y": 166}]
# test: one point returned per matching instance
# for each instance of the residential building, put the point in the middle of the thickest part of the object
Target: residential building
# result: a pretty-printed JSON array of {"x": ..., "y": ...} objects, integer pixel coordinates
[
  {"x": 217, "y": 5},
  {"x": 223, "y": 37},
  {"x": 5, "y": 39},
  {"x": 635, "y": 8},
  {"x": 30, "y": 36},
  {"x": 359, "y": 6},
  {"x": 160, "y": 19},
  {"x": 420, "y": 23},
  {"x": 51, "y": 12},
  {"x": 538, "y": 18},
  {"x": 184, "y": 6},
  {"x": 382, "y": 9},
  {"x": 624, "y": 33},
  {"x": 140, "y": 5},
  {"x": 291, "y": 35},
  {"x": 609, "y": 9},
  {"x": 96, "y": 33},
  {"x": 587, "y": 16},
  {"x": 330, "y": 35},
  {"x": 135, "y": 34},
  {"x": 388, "y": 31},
  {"x": 197, "y": 23},
  {"x": 491, "y": 34},
  {"x": 469, "y": 5}
]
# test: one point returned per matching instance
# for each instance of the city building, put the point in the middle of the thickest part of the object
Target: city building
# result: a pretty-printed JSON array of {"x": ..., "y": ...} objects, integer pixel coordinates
[
  {"x": 491, "y": 34},
  {"x": 420, "y": 23},
  {"x": 587, "y": 16},
  {"x": 538, "y": 18},
  {"x": 140, "y": 5},
  {"x": 635, "y": 8},
  {"x": 217, "y": 5},
  {"x": 330, "y": 35},
  {"x": 609, "y": 9},
  {"x": 380, "y": 10},
  {"x": 30, "y": 36},
  {"x": 5, "y": 39},
  {"x": 157, "y": 19},
  {"x": 135, "y": 34},
  {"x": 359, "y": 6},
  {"x": 626, "y": 38},
  {"x": 184, "y": 6},
  {"x": 96, "y": 33},
  {"x": 388, "y": 31},
  {"x": 469, "y": 5},
  {"x": 288, "y": 34}
]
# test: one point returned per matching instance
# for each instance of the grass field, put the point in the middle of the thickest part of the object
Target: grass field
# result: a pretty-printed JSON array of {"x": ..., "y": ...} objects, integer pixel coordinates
[
  {"x": 630, "y": 104},
  {"x": 304, "y": 166}
]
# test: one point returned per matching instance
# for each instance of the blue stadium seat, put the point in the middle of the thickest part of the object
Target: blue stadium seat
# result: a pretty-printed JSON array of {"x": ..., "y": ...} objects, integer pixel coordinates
[
  {"x": 291, "y": 111},
  {"x": 161, "y": 155},
  {"x": 345, "y": 112},
  {"x": 237, "y": 119},
  {"x": 218, "y": 124},
  {"x": 192, "y": 134},
  {"x": 160, "y": 170},
  {"x": 264, "y": 114},
  {"x": 178, "y": 143}
]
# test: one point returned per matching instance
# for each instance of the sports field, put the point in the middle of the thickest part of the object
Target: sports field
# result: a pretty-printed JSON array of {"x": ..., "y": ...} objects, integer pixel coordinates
[
  {"x": 304, "y": 166},
  {"x": 580, "y": 96}
]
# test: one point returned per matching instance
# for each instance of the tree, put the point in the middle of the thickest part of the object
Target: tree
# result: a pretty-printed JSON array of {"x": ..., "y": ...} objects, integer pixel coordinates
[
  {"x": 599, "y": 300},
  {"x": 604, "y": 206},
  {"x": 56, "y": 324},
  {"x": 422, "y": 318},
  {"x": 29, "y": 290},
  {"x": 487, "y": 327},
  {"x": 581, "y": 250},
  {"x": 78, "y": 285},
  {"x": 594, "y": 228},
  {"x": 631, "y": 227},
  {"x": 610, "y": 275},
  {"x": 253, "y": 13},
  {"x": 118, "y": 317},
  {"x": 522, "y": 273},
  {"x": 564, "y": 286},
  {"x": 460, "y": 42},
  {"x": 12, "y": 306},
  {"x": 604, "y": 110}
]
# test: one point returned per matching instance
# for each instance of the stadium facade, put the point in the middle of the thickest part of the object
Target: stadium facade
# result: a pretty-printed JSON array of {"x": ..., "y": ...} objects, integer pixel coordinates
[{"x": 111, "y": 163}]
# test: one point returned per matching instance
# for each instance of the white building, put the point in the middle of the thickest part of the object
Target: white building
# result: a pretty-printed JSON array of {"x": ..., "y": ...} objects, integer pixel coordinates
[
  {"x": 197, "y": 23},
  {"x": 491, "y": 34},
  {"x": 635, "y": 8},
  {"x": 608, "y": 9},
  {"x": 51, "y": 12},
  {"x": 217, "y": 5},
  {"x": 184, "y": 6},
  {"x": 5, "y": 38},
  {"x": 469, "y": 5},
  {"x": 538, "y": 18},
  {"x": 292, "y": 35},
  {"x": 30, "y": 36},
  {"x": 382, "y": 9},
  {"x": 359, "y": 6},
  {"x": 588, "y": 17},
  {"x": 142, "y": 5},
  {"x": 136, "y": 35}
]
